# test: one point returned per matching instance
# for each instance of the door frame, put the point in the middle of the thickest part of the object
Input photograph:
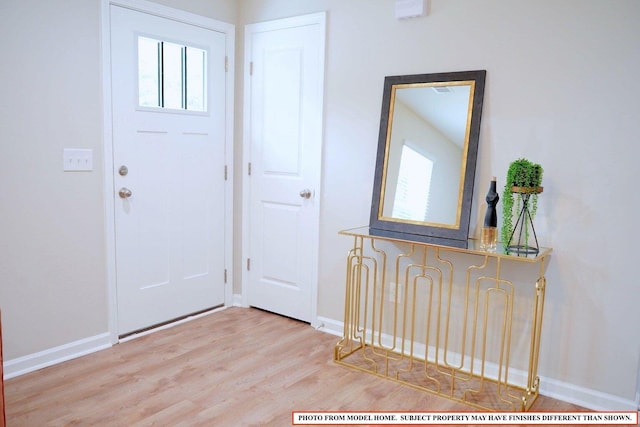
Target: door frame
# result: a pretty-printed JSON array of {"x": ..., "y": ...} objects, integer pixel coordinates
[
  {"x": 318, "y": 18},
  {"x": 109, "y": 175}
]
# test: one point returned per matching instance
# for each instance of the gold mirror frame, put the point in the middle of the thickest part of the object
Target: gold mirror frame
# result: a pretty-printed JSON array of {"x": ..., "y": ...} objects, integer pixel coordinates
[{"x": 447, "y": 210}]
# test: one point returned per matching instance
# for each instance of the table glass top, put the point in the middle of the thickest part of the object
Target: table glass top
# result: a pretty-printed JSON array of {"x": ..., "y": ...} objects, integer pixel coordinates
[{"x": 468, "y": 246}]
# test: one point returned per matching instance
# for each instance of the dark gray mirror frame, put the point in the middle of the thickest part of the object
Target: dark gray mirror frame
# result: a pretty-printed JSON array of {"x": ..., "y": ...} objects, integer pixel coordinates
[{"x": 450, "y": 236}]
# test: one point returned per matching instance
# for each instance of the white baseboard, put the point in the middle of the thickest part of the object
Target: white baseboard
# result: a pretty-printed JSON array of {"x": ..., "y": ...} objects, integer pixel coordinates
[
  {"x": 588, "y": 398},
  {"x": 560, "y": 390},
  {"x": 331, "y": 326},
  {"x": 237, "y": 301},
  {"x": 52, "y": 356}
]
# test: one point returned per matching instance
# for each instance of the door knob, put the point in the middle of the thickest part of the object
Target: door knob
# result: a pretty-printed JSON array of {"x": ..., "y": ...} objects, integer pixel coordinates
[
  {"x": 124, "y": 193},
  {"x": 305, "y": 194},
  {"x": 123, "y": 171}
]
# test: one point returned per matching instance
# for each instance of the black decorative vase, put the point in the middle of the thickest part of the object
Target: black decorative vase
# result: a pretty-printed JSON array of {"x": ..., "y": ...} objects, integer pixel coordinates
[{"x": 489, "y": 238}]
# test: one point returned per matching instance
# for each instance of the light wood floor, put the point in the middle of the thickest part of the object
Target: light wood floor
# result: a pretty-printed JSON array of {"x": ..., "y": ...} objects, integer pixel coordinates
[{"x": 237, "y": 367}]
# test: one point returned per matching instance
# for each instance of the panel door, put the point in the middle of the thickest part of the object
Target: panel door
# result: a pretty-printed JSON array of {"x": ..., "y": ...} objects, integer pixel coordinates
[
  {"x": 169, "y": 160},
  {"x": 285, "y": 132}
]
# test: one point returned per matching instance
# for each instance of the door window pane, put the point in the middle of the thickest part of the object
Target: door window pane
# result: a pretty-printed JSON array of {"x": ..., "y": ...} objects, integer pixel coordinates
[
  {"x": 148, "y": 72},
  {"x": 196, "y": 82},
  {"x": 171, "y": 76}
]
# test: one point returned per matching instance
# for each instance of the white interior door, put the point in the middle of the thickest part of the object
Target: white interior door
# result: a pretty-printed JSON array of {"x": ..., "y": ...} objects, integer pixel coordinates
[
  {"x": 169, "y": 167},
  {"x": 283, "y": 137}
]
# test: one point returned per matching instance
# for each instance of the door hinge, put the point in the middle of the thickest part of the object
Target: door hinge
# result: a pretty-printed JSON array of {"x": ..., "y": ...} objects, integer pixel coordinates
[
  {"x": 251, "y": 68},
  {"x": 225, "y": 173},
  {"x": 248, "y": 264},
  {"x": 225, "y": 275},
  {"x": 226, "y": 64},
  {"x": 249, "y": 169}
]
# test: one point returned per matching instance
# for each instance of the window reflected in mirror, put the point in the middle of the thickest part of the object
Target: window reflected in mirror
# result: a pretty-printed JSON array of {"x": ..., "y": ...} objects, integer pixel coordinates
[{"x": 411, "y": 193}]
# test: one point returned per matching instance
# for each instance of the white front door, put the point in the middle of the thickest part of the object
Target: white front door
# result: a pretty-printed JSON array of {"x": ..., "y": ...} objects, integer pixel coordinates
[
  {"x": 168, "y": 112},
  {"x": 283, "y": 146}
]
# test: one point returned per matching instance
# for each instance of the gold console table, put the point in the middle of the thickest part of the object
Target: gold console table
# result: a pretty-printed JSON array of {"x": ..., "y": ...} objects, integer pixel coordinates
[{"x": 458, "y": 322}]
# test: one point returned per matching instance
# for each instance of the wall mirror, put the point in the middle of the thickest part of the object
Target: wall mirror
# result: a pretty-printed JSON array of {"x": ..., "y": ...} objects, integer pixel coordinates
[{"x": 426, "y": 160}]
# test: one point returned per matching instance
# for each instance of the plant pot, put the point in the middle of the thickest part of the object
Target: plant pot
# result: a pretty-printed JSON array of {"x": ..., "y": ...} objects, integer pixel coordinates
[{"x": 527, "y": 190}]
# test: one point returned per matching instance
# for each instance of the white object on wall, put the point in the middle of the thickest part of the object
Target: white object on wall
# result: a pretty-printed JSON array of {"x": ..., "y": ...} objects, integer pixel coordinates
[
  {"x": 411, "y": 8},
  {"x": 77, "y": 159}
]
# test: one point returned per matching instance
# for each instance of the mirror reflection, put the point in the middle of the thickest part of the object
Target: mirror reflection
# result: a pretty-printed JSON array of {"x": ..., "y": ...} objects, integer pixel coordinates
[
  {"x": 429, "y": 124},
  {"x": 427, "y": 151}
]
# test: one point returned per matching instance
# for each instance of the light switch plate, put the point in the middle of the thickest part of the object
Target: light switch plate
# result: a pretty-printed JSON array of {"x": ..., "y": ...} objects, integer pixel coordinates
[{"x": 77, "y": 159}]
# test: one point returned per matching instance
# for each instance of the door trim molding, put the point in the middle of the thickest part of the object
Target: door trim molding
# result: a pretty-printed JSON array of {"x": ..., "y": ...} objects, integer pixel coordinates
[
  {"x": 319, "y": 18},
  {"x": 109, "y": 174}
]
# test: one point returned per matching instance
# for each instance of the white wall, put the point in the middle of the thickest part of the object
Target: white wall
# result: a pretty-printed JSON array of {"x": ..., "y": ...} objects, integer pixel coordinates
[
  {"x": 561, "y": 90},
  {"x": 52, "y": 268},
  {"x": 53, "y": 287}
]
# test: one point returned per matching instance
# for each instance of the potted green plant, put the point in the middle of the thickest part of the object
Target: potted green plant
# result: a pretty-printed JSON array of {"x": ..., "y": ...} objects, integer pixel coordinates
[{"x": 520, "y": 200}]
